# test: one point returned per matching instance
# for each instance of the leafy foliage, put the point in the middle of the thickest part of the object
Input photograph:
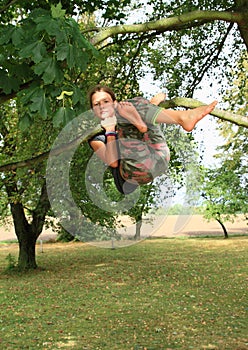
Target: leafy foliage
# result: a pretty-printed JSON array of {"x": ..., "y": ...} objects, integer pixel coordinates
[
  {"x": 224, "y": 195},
  {"x": 225, "y": 187},
  {"x": 38, "y": 67}
]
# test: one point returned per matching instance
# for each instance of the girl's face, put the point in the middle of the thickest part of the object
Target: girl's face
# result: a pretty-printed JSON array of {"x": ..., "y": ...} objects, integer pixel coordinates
[{"x": 103, "y": 105}]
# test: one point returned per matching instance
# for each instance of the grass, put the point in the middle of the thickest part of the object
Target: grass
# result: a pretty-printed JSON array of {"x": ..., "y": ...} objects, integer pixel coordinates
[{"x": 158, "y": 294}]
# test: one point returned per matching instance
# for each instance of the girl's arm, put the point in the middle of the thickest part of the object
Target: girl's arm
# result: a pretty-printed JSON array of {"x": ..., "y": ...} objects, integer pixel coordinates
[{"x": 107, "y": 151}]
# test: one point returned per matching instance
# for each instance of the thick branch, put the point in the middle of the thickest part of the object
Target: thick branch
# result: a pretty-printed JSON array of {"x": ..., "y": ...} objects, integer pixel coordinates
[
  {"x": 176, "y": 102},
  {"x": 55, "y": 151},
  {"x": 241, "y": 6},
  {"x": 170, "y": 23},
  {"x": 192, "y": 103}
]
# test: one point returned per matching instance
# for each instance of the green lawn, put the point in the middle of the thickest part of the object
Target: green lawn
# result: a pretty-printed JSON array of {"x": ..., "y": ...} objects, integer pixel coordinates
[{"x": 158, "y": 294}]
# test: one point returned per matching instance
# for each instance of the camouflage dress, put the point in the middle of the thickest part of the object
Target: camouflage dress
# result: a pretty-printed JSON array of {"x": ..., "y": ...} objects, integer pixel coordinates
[{"x": 142, "y": 156}]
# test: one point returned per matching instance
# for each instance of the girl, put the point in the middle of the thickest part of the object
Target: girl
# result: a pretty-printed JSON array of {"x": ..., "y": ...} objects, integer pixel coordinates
[{"x": 131, "y": 141}]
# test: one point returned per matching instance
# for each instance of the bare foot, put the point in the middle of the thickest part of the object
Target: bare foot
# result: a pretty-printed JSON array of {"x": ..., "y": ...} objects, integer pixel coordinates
[
  {"x": 192, "y": 116},
  {"x": 157, "y": 99},
  {"x": 129, "y": 112}
]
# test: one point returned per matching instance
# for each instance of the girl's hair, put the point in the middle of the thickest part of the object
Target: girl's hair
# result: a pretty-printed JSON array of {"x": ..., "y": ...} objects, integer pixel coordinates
[{"x": 100, "y": 88}]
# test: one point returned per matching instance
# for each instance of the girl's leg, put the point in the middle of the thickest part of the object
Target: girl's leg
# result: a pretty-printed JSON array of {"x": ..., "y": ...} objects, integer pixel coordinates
[
  {"x": 157, "y": 99},
  {"x": 122, "y": 186},
  {"x": 187, "y": 119},
  {"x": 130, "y": 113}
]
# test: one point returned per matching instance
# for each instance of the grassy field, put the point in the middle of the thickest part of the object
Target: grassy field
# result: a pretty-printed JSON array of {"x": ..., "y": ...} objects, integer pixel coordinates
[{"x": 158, "y": 294}]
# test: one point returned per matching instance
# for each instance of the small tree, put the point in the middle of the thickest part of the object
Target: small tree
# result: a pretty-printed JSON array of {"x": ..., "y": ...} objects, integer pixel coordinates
[{"x": 224, "y": 196}]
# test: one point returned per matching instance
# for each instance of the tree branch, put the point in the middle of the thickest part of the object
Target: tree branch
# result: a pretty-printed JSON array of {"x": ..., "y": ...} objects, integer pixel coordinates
[
  {"x": 55, "y": 151},
  {"x": 241, "y": 6},
  {"x": 192, "y": 103},
  {"x": 170, "y": 23},
  {"x": 175, "y": 102}
]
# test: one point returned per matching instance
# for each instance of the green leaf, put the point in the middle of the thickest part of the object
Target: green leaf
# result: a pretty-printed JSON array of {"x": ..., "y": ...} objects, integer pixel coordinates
[
  {"x": 8, "y": 83},
  {"x": 3, "y": 77},
  {"x": 39, "y": 104},
  {"x": 48, "y": 24},
  {"x": 85, "y": 43},
  {"x": 62, "y": 52},
  {"x": 63, "y": 116},
  {"x": 40, "y": 68},
  {"x": 69, "y": 115},
  {"x": 39, "y": 52},
  {"x": 75, "y": 56},
  {"x": 53, "y": 74},
  {"x": 78, "y": 96},
  {"x": 26, "y": 51},
  {"x": 49, "y": 70},
  {"x": 59, "y": 117},
  {"x": 71, "y": 56},
  {"x": 57, "y": 11},
  {"x": 17, "y": 36},
  {"x": 36, "y": 50},
  {"x": 6, "y": 34},
  {"x": 29, "y": 93},
  {"x": 82, "y": 61},
  {"x": 25, "y": 122}
]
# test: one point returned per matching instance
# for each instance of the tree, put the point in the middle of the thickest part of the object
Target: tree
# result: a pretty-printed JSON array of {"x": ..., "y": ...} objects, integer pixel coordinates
[
  {"x": 145, "y": 203},
  {"x": 233, "y": 153},
  {"x": 44, "y": 52},
  {"x": 224, "y": 195},
  {"x": 225, "y": 188}
]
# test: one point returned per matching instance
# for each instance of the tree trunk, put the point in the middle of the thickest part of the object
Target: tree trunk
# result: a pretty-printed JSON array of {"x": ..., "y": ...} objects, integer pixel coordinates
[
  {"x": 27, "y": 233},
  {"x": 242, "y": 5},
  {"x": 138, "y": 227},
  {"x": 27, "y": 256},
  {"x": 26, "y": 238},
  {"x": 223, "y": 227}
]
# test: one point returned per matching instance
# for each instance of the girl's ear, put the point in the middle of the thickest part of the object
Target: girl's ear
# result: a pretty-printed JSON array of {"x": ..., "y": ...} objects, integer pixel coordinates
[{"x": 115, "y": 104}]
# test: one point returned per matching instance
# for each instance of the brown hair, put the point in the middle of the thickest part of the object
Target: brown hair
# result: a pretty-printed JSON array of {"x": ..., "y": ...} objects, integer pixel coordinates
[{"x": 99, "y": 88}]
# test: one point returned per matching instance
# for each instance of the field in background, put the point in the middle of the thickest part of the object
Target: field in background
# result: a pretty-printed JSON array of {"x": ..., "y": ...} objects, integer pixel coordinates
[{"x": 171, "y": 226}]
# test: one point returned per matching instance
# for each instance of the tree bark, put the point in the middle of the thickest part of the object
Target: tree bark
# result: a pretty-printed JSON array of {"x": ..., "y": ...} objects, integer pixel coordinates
[
  {"x": 186, "y": 20},
  {"x": 242, "y": 7},
  {"x": 25, "y": 236},
  {"x": 223, "y": 228},
  {"x": 27, "y": 233},
  {"x": 138, "y": 228},
  {"x": 27, "y": 252}
]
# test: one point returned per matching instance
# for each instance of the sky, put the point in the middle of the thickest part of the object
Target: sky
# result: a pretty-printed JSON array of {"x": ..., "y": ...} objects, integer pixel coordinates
[{"x": 205, "y": 132}]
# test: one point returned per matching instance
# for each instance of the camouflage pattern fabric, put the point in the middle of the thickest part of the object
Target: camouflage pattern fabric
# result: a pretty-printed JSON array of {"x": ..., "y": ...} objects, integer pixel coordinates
[{"x": 143, "y": 156}]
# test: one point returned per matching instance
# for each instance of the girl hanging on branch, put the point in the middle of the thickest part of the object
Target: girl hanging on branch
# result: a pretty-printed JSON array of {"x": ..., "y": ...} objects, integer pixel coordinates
[{"x": 131, "y": 142}]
